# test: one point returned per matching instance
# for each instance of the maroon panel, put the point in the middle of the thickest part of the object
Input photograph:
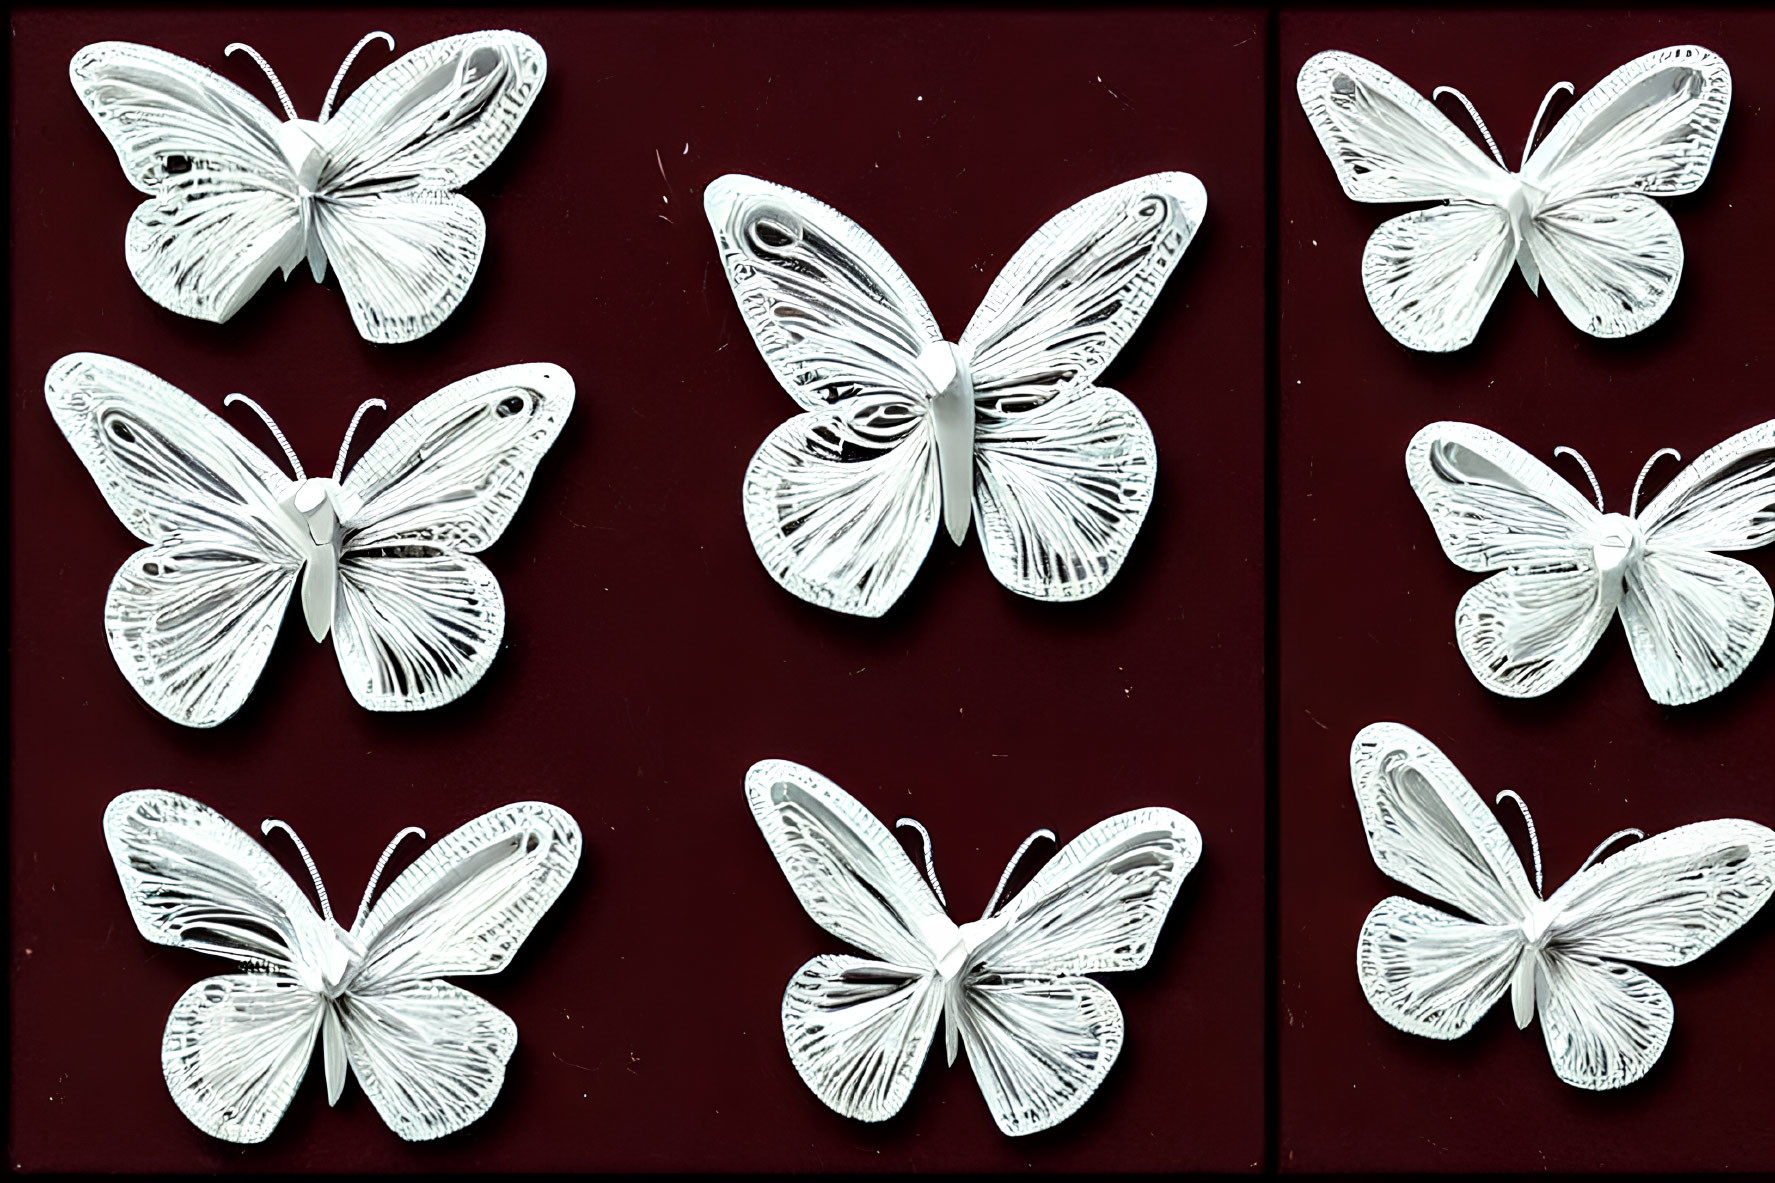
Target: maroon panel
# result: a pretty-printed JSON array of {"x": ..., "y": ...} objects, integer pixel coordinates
[
  {"x": 649, "y": 658},
  {"x": 1367, "y": 621}
]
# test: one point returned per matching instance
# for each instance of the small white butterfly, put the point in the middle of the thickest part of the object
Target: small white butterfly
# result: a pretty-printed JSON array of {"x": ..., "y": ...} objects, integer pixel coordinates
[
  {"x": 1694, "y": 618},
  {"x": 902, "y": 428},
  {"x": 1662, "y": 901},
  {"x": 1040, "y": 1037},
  {"x": 235, "y": 194},
  {"x": 430, "y": 1056},
  {"x": 385, "y": 555},
  {"x": 1578, "y": 213}
]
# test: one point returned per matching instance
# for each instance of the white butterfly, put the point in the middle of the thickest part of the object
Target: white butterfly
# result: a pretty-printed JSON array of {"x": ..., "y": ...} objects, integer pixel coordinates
[
  {"x": 235, "y": 194},
  {"x": 1694, "y": 618},
  {"x": 1040, "y": 1037},
  {"x": 385, "y": 555},
  {"x": 1578, "y": 213},
  {"x": 1663, "y": 901},
  {"x": 430, "y": 1056},
  {"x": 903, "y": 428}
]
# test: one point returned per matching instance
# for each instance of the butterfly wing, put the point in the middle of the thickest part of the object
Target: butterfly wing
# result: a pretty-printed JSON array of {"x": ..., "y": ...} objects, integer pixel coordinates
[
  {"x": 431, "y": 1056},
  {"x": 1695, "y": 618},
  {"x": 1663, "y": 901},
  {"x": 1610, "y": 254},
  {"x": 404, "y": 244},
  {"x": 222, "y": 212},
  {"x": 1430, "y": 275},
  {"x": 191, "y": 618},
  {"x": 1496, "y": 508},
  {"x": 236, "y": 1046},
  {"x": 841, "y": 502},
  {"x": 1039, "y": 1037},
  {"x": 419, "y": 619},
  {"x": 857, "y": 1031},
  {"x": 1063, "y": 469}
]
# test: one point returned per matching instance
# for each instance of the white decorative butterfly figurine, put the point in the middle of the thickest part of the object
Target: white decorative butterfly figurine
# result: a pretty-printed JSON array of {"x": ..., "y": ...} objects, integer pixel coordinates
[
  {"x": 235, "y": 193},
  {"x": 430, "y": 1056},
  {"x": 902, "y": 428},
  {"x": 1008, "y": 986},
  {"x": 1578, "y": 213},
  {"x": 1662, "y": 901},
  {"x": 384, "y": 555},
  {"x": 1694, "y": 618}
]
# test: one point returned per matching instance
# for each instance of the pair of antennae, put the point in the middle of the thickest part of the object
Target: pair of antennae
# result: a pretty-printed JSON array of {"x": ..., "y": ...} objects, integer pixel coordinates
[
  {"x": 1638, "y": 485},
  {"x": 1534, "y": 839},
  {"x": 296, "y": 461},
  {"x": 326, "y": 905},
  {"x": 930, "y": 866},
  {"x": 1534, "y": 127},
  {"x": 283, "y": 96}
]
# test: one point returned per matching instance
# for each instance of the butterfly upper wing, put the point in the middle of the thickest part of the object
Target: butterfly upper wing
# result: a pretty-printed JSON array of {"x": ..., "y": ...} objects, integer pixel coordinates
[
  {"x": 419, "y": 619},
  {"x": 191, "y": 618},
  {"x": 404, "y": 245},
  {"x": 237, "y": 1045},
  {"x": 223, "y": 212},
  {"x": 1496, "y": 508},
  {"x": 1063, "y": 470},
  {"x": 1040, "y": 1039},
  {"x": 841, "y": 502},
  {"x": 1695, "y": 618}
]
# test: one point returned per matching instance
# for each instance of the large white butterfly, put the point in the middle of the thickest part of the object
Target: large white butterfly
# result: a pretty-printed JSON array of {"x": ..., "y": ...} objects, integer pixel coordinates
[
  {"x": 902, "y": 428},
  {"x": 1694, "y": 618},
  {"x": 1040, "y": 1037},
  {"x": 1578, "y": 213},
  {"x": 235, "y": 194},
  {"x": 384, "y": 555},
  {"x": 1662, "y": 901},
  {"x": 430, "y": 1056}
]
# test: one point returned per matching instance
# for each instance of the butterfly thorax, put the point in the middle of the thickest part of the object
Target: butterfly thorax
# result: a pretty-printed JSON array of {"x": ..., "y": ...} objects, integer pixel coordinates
[
  {"x": 952, "y": 414},
  {"x": 304, "y": 146},
  {"x": 313, "y": 506},
  {"x": 1521, "y": 200},
  {"x": 330, "y": 969},
  {"x": 1615, "y": 545},
  {"x": 1528, "y": 983}
]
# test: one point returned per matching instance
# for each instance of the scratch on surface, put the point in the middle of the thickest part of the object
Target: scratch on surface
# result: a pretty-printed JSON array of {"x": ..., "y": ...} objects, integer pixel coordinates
[
  {"x": 571, "y": 1064},
  {"x": 1315, "y": 719}
]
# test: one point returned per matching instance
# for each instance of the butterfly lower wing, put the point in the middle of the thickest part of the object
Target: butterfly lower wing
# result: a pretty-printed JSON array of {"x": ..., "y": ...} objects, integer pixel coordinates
[
  {"x": 858, "y": 1031},
  {"x": 1605, "y": 1023},
  {"x": 1073, "y": 294},
  {"x": 473, "y": 897},
  {"x": 235, "y": 1049},
  {"x": 1431, "y": 275},
  {"x": 404, "y": 261},
  {"x": 1039, "y": 1044},
  {"x": 413, "y": 628},
  {"x": 1611, "y": 260},
  {"x": 847, "y": 870},
  {"x": 1429, "y": 973},
  {"x": 1061, "y": 490},
  {"x": 1670, "y": 898},
  {"x": 1429, "y": 830},
  {"x": 430, "y": 1056},
  {"x": 192, "y": 620},
  {"x": 1526, "y": 630},
  {"x": 1694, "y": 621},
  {"x": 842, "y": 509}
]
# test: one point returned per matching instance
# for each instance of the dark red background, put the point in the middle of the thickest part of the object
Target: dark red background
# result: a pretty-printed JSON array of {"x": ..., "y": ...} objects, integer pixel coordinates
[
  {"x": 1367, "y": 620},
  {"x": 649, "y": 658}
]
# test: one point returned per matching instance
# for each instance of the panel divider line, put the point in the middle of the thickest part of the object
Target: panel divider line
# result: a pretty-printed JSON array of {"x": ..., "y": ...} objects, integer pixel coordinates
[{"x": 1272, "y": 578}]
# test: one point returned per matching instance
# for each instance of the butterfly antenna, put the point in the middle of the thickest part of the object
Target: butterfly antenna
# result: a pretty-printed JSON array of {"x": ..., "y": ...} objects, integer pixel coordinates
[
  {"x": 1595, "y": 486},
  {"x": 930, "y": 866},
  {"x": 1608, "y": 842},
  {"x": 1633, "y": 509},
  {"x": 356, "y": 418},
  {"x": 283, "y": 443},
  {"x": 1534, "y": 839},
  {"x": 272, "y": 823},
  {"x": 1536, "y": 125},
  {"x": 363, "y": 909},
  {"x": 1473, "y": 111},
  {"x": 1012, "y": 865},
  {"x": 283, "y": 96},
  {"x": 326, "y": 108}
]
